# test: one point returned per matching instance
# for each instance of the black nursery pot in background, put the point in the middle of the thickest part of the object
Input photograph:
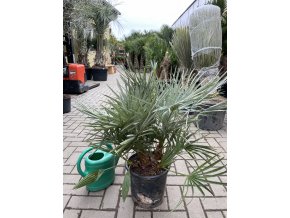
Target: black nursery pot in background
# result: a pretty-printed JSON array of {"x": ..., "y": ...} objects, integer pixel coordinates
[
  {"x": 66, "y": 104},
  {"x": 223, "y": 90},
  {"x": 100, "y": 74},
  {"x": 212, "y": 121},
  {"x": 89, "y": 73}
]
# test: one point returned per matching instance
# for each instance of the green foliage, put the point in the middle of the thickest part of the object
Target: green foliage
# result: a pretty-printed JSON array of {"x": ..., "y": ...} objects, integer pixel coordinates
[
  {"x": 90, "y": 178},
  {"x": 182, "y": 47},
  {"x": 166, "y": 33},
  {"x": 173, "y": 59},
  {"x": 155, "y": 49},
  {"x": 126, "y": 185}
]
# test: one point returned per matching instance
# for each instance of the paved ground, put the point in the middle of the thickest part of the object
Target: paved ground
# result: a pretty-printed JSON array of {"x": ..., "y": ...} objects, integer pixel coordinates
[{"x": 108, "y": 203}]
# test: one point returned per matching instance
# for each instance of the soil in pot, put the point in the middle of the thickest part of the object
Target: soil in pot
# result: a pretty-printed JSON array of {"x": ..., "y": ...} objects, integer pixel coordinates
[{"x": 147, "y": 184}]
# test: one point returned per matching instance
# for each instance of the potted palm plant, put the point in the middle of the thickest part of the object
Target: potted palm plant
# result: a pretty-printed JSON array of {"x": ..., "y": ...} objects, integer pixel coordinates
[
  {"x": 144, "y": 117},
  {"x": 101, "y": 13}
]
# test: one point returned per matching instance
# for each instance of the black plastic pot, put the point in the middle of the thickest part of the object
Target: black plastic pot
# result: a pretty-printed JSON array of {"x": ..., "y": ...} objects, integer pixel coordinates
[
  {"x": 147, "y": 191},
  {"x": 212, "y": 121},
  {"x": 66, "y": 104},
  {"x": 223, "y": 90},
  {"x": 89, "y": 73},
  {"x": 100, "y": 74}
]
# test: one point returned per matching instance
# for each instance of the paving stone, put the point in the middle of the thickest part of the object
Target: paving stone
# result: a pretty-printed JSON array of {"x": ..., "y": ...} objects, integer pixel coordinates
[
  {"x": 169, "y": 215},
  {"x": 223, "y": 155},
  {"x": 223, "y": 145},
  {"x": 75, "y": 169},
  {"x": 214, "y": 203},
  {"x": 79, "y": 144},
  {"x": 223, "y": 179},
  {"x": 81, "y": 118},
  {"x": 74, "y": 125},
  {"x": 142, "y": 214},
  {"x": 98, "y": 193},
  {"x": 67, "y": 169},
  {"x": 181, "y": 167},
  {"x": 221, "y": 140},
  {"x": 163, "y": 206},
  {"x": 172, "y": 170},
  {"x": 72, "y": 160},
  {"x": 213, "y": 135},
  {"x": 194, "y": 208},
  {"x": 65, "y": 145},
  {"x": 119, "y": 170},
  {"x": 71, "y": 213},
  {"x": 218, "y": 190},
  {"x": 225, "y": 213},
  {"x": 97, "y": 214},
  {"x": 78, "y": 130},
  {"x": 81, "y": 149},
  {"x": 118, "y": 180},
  {"x": 212, "y": 142},
  {"x": 68, "y": 124},
  {"x": 111, "y": 197},
  {"x": 65, "y": 200},
  {"x": 121, "y": 161},
  {"x": 184, "y": 156},
  {"x": 175, "y": 180},
  {"x": 68, "y": 151},
  {"x": 174, "y": 196},
  {"x": 73, "y": 135},
  {"x": 214, "y": 214},
  {"x": 192, "y": 164},
  {"x": 66, "y": 119},
  {"x": 73, "y": 139},
  {"x": 196, "y": 192},
  {"x": 222, "y": 132},
  {"x": 204, "y": 131},
  {"x": 68, "y": 189},
  {"x": 71, "y": 179},
  {"x": 81, "y": 202},
  {"x": 125, "y": 208}
]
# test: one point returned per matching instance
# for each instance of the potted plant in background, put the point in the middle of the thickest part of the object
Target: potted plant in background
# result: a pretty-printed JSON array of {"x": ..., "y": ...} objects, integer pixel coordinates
[
  {"x": 141, "y": 119},
  {"x": 206, "y": 48},
  {"x": 101, "y": 13}
]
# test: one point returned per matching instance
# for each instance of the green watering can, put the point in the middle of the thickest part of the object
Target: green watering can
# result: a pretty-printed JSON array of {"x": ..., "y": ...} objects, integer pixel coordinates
[{"x": 95, "y": 161}]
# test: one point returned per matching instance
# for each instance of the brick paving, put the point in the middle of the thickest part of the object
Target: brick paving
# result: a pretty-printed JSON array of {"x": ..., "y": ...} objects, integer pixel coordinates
[{"x": 108, "y": 203}]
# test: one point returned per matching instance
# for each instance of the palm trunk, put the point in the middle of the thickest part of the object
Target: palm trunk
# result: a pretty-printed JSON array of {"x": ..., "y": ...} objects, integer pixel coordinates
[{"x": 99, "y": 51}]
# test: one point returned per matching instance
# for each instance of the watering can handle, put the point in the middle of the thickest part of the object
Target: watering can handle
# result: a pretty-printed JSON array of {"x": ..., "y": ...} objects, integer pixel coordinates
[{"x": 82, "y": 173}]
